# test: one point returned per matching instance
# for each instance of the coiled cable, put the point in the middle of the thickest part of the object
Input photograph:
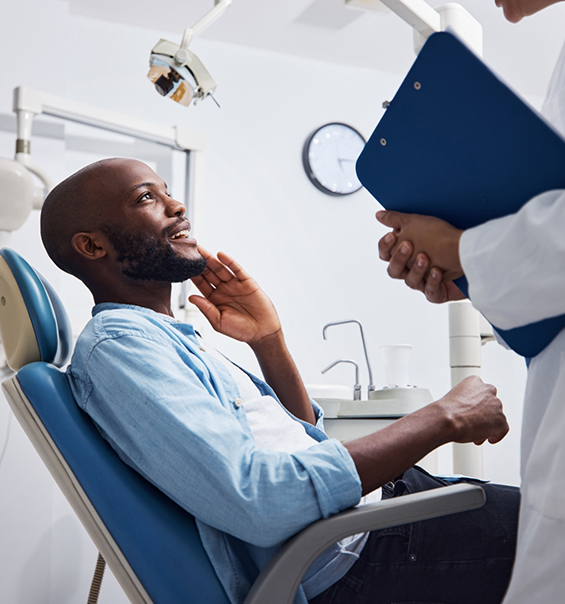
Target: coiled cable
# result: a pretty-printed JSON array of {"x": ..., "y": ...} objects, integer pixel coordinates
[{"x": 97, "y": 580}]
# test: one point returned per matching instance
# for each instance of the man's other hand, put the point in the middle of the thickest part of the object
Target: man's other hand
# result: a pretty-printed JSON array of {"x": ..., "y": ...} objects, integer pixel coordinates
[{"x": 474, "y": 412}]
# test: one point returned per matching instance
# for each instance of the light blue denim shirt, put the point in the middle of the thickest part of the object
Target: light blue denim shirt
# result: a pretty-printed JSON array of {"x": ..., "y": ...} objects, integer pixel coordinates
[{"x": 170, "y": 412}]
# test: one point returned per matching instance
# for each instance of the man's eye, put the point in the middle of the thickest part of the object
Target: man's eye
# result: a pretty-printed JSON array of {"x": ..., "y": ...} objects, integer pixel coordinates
[{"x": 145, "y": 197}]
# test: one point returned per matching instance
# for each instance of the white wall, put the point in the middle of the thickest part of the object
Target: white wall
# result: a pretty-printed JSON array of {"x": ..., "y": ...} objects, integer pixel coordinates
[{"x": 315, "y": 255}]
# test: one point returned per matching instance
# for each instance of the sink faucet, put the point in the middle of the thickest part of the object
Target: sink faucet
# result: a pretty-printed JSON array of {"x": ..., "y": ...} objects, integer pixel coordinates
[
  {"x": 371, "y": 387},
  {"x": 357, "y": 387}
]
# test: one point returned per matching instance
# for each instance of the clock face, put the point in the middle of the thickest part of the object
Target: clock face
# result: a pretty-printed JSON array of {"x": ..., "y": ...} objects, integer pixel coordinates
[{"x": 329, "y": 157}]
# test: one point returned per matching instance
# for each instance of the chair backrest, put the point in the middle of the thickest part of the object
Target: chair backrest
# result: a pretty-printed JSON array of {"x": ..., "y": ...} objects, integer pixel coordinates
[
  {"x": 150, "y": 543},
  {"x": 33, "y": 322}
]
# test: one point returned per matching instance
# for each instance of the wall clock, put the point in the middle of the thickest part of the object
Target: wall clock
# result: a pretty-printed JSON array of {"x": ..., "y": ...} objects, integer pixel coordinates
[{"x": 329, "y": 155}]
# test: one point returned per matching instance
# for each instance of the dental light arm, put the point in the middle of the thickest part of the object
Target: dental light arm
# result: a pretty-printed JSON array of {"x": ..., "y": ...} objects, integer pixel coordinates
[
  {"x": 417, "y": 13},
  {"x": 206, "y": 20},
  {"x": 177, "y": 72},
  {"x": 426, "y": 20}
]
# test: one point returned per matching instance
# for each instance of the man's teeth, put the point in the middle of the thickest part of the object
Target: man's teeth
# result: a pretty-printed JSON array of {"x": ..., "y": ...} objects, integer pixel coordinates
[{"x": 180, "y": 234}]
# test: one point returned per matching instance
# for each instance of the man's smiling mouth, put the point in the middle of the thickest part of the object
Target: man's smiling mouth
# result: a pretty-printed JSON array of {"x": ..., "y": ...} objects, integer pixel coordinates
[{"x": 181, "y": 234}]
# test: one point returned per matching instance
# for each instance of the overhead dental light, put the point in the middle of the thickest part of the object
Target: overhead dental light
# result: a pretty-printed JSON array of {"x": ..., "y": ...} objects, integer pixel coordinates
[{"x": 177, "y": 72}]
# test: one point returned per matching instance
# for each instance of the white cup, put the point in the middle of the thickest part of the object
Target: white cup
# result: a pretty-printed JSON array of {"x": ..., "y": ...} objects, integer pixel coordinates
[{"x": 396, "y": 360}]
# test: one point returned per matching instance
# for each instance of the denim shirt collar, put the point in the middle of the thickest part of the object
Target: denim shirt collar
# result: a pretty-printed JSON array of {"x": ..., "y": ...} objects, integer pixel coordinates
[{"x": 103, "y": 306}]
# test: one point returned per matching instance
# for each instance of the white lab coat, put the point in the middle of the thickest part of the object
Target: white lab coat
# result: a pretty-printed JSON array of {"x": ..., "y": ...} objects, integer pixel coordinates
[{"x": 516, "y": 271}]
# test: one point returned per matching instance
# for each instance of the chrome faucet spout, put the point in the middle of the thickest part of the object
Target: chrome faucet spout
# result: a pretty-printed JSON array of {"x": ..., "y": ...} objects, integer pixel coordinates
[
  {"x": 371, "y": 385},
  {"x": 357, "y": 386}
]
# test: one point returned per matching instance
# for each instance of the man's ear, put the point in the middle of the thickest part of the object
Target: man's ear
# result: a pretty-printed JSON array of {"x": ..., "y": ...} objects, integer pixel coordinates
[{"x": 90, "y": 246}]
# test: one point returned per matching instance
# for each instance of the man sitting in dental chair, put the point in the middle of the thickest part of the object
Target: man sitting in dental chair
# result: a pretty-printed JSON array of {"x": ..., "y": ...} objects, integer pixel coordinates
[{"x": 249, "y": 458}]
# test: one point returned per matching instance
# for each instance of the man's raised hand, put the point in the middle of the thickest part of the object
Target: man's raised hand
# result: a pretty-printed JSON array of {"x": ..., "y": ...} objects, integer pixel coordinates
[{"x": 233, "y": 302}]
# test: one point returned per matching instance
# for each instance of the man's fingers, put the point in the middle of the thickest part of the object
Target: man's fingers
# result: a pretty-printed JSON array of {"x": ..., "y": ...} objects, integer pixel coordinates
[
  {"x": 216, "y": 267},
  {"x": 203, "y": 286},
  {"x": 233, "y": 266},
  {"x": 207, "y": 309}
]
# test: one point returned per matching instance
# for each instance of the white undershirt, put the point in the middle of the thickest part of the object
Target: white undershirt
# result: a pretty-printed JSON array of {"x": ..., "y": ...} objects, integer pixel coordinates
[
  {"x": 270, "y": 424},
  {"x": 273, "y": 428}
]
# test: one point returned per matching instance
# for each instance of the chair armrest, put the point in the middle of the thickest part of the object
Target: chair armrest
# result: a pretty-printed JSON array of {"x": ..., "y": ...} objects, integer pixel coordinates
[{"x": 281, "y": 577}]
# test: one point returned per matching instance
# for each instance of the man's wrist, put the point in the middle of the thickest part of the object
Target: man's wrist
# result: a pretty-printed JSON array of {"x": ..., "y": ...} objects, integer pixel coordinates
[
  {"x": 441, "y": 423},
  {"x": 269, "y": 343}
]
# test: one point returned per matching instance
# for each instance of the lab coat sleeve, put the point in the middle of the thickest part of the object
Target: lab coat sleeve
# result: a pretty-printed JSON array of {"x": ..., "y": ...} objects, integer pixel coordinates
[
  {"x": 515, "y": 265},
  {"x": 164, "y": 418}
]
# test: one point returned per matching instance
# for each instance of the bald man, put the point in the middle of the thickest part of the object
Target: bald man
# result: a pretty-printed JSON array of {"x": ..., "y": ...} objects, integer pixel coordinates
[{"x": 249, "y": 458}]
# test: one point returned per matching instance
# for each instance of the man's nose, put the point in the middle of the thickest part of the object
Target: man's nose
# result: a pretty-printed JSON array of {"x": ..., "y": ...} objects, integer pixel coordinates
[{"x": 175, "y": 208}]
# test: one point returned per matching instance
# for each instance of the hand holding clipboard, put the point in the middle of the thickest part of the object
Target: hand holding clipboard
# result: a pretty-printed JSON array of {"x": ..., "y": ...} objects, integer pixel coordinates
[{"x": 458, "y": 144}]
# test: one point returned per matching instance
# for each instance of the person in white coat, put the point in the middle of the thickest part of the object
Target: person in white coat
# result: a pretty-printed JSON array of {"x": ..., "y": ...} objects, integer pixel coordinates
[{"x": 515, "y": 268}]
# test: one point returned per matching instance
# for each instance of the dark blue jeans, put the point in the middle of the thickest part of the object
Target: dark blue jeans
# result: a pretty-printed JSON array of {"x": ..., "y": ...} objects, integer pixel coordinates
[{"x": 463, "y": 558}]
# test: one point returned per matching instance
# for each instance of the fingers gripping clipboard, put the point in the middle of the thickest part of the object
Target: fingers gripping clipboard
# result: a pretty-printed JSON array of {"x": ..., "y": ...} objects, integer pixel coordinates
[{"x": 455, "y": 142}]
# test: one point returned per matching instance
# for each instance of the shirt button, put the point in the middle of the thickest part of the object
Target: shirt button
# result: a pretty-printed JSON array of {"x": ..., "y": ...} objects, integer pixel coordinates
[
  {"x": 202, "y": 349},
  {"x": 238, "y": 402}
]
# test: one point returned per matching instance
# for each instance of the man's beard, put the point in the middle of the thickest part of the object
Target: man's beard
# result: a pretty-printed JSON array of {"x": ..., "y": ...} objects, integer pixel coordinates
[{"x": 147, "y": 259}]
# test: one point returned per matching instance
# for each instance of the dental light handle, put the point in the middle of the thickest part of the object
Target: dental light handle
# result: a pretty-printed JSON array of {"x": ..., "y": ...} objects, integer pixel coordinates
[
  {"x": 23, "y": 148},
  {"x": 207, "y": 19}
]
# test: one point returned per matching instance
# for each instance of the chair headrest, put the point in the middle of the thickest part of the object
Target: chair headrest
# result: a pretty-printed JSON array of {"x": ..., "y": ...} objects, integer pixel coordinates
[{"x": 33, "y": 322}]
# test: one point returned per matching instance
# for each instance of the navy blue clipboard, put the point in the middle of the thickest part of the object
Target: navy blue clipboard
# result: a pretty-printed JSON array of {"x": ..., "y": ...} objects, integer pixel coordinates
[{"x": 457, "y": 143}]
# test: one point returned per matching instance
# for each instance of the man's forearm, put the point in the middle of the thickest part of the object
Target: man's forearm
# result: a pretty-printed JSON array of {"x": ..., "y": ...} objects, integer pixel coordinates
[
  {"x": 384, "y": 455},
  {"x": 470, "y": 412},
  {"x": 281, "y": 373}
]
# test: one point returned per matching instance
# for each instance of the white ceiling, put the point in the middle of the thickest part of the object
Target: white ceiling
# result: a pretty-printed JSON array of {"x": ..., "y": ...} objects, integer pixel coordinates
[{"x": 522, "y": 54}]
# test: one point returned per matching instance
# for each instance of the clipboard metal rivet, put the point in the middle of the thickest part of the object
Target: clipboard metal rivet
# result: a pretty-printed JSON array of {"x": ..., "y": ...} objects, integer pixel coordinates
[
  {"x": 417, "y": 85},
  {"x": 383, "y": 141}
]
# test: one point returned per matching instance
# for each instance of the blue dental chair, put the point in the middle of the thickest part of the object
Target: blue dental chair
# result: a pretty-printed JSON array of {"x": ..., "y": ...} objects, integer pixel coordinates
[{"x": 150, "y": 543}]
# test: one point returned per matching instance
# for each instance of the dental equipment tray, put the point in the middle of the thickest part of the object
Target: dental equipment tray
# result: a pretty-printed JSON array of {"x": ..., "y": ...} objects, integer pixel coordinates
[{"x": 455, "y": 142}]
